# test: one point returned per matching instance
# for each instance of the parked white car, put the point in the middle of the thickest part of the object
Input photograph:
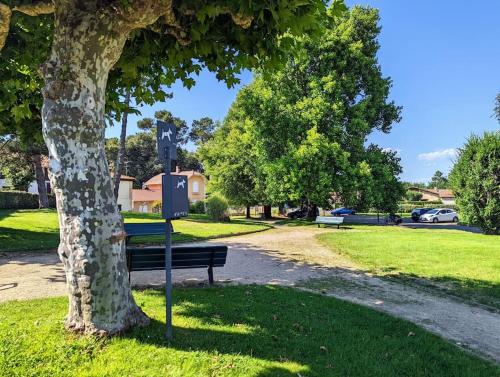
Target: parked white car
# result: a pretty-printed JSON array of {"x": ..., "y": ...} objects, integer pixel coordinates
[{"x": 440, "y": 215}]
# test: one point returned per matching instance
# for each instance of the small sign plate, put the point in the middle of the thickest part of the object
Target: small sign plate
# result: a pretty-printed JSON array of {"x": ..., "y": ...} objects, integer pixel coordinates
[
  {"x": 175, "y": 196},
  {"x": 166, "y": 137}
]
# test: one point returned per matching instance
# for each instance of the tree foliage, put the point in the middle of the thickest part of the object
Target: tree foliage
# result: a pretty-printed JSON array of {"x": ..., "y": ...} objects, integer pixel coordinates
[
  {"x": 475, "y": 180},
  {"x": 232, "y": 161},
  {"x": 496, "y": 109},
  {"x": 16, "y": 166},
  {"x": 202, "y": 130},
  {"x": 438, "y": 180},
  {"x": 304, "y": 127}
]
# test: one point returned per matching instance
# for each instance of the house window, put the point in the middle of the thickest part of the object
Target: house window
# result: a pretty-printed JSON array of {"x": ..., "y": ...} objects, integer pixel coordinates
[{"x": 196, "y": 187}]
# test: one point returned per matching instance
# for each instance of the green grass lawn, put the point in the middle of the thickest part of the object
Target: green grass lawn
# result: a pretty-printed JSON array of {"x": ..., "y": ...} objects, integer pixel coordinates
[
  {"x": 39, "y": 230},
  {"x": 233, "y": 331},
  {"x": 460, "y": 262}
]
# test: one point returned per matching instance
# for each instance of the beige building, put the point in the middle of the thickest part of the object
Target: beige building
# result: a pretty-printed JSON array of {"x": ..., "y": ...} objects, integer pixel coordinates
[
  {"x": 435, "y": 195},
  {"x": 125, "y": 193},
  {"x": 144, "y": 200}
]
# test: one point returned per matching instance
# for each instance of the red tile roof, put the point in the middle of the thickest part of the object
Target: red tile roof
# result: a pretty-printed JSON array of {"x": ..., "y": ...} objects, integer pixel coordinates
[
  {"x": 156, "y": 180},
  {"x": 124, "y": 177},
  {"x": 442, "y": 193}
]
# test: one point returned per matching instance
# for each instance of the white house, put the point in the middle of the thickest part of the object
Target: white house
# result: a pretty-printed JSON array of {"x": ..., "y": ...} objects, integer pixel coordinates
[{"x": 125, "y": 193}]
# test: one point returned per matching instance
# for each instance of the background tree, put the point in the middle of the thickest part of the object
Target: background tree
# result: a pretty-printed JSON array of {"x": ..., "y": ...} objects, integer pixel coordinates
[
  {"x": 384, "y": 187},
  {"x": 475, "y": 181},
  {"x": 438, "y": 180},
  {"x": 187, "y": 160},
  {"x": 16, "y": 166},
  {"x": 21, "y": 101},
  {"x": 202, "y": 130},
  {"x": 231, "y": 161},
  {"x": 311, "y": 118},
  {"x": 496, "y": 109}
]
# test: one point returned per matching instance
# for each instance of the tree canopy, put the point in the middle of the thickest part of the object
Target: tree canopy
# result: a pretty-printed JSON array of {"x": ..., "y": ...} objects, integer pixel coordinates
[
  {"x": 475, "y": 180},
  {"x": 306, "y": 125},
  {"x": 438, "y": 180}
]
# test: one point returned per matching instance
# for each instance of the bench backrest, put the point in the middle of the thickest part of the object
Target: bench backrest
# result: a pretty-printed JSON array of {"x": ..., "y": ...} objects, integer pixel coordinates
[
  {"x": 144, "y": 229},
  {"x": 153, "y": 258},
  {"x": 329, "y": 219}
]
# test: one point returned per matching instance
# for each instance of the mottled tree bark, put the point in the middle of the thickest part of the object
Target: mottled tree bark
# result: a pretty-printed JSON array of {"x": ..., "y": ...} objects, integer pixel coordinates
[
  {"x": 121, "y": 151},
  {"x": 43, "y": 200},
  {"x": 92, "y": 240}
]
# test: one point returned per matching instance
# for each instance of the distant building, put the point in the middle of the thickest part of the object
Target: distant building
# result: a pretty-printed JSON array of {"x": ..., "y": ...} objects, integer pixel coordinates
[
  {"x": 445, "y": 196},
  {"x": 144, "y": 200},
  {"x": 125, "y": 193}
]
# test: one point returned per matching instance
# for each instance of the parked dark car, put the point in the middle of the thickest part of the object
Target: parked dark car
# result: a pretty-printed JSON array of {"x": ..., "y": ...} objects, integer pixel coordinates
[
  {"x": 342, "y": 211},
  {"x": 297, "y": 214},
  {"x": 417, "y": 212}
]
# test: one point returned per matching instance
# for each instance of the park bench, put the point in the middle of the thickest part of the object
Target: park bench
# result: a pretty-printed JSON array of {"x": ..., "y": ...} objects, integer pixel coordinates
[
  {"x": 329, "y": 220},
  {"x": 190, "y": 256},
  {"x": 145, "y": 229}
]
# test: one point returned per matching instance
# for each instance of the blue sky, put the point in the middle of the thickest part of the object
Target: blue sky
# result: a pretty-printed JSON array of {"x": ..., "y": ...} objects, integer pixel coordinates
[{"x": 444, "y": 59}]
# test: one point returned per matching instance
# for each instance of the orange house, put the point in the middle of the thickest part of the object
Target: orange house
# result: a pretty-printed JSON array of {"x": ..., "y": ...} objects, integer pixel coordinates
[{"x": 144, "y": 200}]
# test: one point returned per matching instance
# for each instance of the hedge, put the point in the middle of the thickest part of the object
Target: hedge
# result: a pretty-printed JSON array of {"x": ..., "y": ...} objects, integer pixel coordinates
[
  {"x": 408, "y": 207},
  {"x": 22, "y": 200}
]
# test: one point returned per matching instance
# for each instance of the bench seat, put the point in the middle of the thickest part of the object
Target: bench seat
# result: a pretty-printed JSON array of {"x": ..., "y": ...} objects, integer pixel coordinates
[
  {"x": 190, "y": 256},
  {"x": 329, "y": 220}
]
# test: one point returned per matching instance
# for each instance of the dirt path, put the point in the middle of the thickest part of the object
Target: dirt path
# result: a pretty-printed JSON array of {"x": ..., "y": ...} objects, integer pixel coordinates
[{"x": 289, "y": 256}]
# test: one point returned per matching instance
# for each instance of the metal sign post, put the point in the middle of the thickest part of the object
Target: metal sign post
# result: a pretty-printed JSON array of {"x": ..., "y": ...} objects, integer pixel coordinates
[
  {"x": 168, "y": 255},
  {"x": 174, "y": 204}
]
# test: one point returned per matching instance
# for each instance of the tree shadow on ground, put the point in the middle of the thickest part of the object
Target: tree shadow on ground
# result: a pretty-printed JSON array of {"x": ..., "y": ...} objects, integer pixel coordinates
[
  {"x": 321, "y": 336},
  {"x": 14, "y": 240},
  {"x": 473, "y": 290}
]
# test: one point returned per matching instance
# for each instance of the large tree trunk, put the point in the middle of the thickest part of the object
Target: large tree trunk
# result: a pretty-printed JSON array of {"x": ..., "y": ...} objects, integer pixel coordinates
[
  {"x": 268, "y": 212},
  {"x": 92, "y": 240},
  {"x": 121, "y": 151},
  {"x": 248, "y": 216},
  {"x": 43, "y": 200}
]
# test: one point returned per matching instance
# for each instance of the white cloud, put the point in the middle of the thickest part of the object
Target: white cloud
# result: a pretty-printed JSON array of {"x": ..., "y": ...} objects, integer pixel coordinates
[
  {"x": 397, "y": 150},
  {"x": 438, "y": 155}
]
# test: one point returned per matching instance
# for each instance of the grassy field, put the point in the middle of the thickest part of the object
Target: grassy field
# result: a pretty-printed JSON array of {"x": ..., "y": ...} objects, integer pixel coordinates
[
  {"x": 460, "y": 262},
  {"x": 233, "y": 331},
  {"x": 39, "y": 230}
]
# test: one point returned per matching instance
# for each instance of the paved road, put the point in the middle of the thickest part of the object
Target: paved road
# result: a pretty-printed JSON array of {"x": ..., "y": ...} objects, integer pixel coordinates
[
  {"x": 372, "y": 219},
  {"x": 288, "y": 256}
]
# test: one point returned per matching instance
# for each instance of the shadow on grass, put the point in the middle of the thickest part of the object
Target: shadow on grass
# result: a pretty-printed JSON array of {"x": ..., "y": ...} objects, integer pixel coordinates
[
  {"x": 290, "y": 329},
  {"x": 473, "y": 290},
  {"x": 26, "y": 240}
]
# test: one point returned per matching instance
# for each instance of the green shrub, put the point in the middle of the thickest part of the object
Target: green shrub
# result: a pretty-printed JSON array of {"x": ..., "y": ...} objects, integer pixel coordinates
[
  {"x": 408, "y": 207},
  {"x": 156, "y": 207},
  {"x": 197, "y": 207},
  {"x": 22, "y": 200},
  {"x": 217, "y": 207},
  {"x": 413, "y": 196},
  {"x": 475, "y": 181},
  {"x": 18, "y": 200}
]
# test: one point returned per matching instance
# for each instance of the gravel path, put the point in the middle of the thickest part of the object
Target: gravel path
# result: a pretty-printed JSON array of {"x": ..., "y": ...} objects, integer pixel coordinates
[{"x": 287, "y": 256}]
